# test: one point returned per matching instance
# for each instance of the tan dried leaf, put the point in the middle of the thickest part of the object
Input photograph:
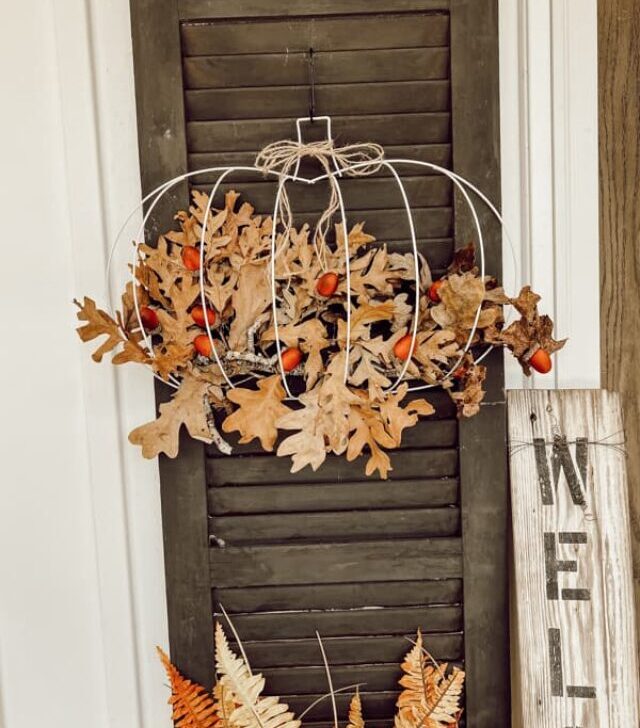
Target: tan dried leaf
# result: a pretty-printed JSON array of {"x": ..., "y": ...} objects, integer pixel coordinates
[
  {"x": 368, "y": 431},
  {"x": 471, "y": 395},
  {"x": 460, "y": 297},
  {"x": 186, "y": 407},
  {"x": 258, "y": 411},
  {"x": 249, "y": 300},
  {"x": 99, "y": 323},
  {"x": 306, "y": 447},
  {"x": 396, "y": 418}
]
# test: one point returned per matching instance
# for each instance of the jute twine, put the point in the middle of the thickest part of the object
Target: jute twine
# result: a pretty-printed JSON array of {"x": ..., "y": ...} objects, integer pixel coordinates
[{"x": 284, "y": 156}]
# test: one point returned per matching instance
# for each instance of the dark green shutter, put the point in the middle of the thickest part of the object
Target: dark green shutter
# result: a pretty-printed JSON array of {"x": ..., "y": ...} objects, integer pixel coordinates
[{"x": 363, "y": 561}]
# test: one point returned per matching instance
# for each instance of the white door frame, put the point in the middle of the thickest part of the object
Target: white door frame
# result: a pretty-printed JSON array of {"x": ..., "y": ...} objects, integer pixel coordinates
[
  {"x": 550, "y": 197},
  {"x": 549, "y": 146}
]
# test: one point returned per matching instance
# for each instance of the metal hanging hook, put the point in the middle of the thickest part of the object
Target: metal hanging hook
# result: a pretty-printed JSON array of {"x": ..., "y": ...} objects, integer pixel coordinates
[{"x": 312, "y": 86}]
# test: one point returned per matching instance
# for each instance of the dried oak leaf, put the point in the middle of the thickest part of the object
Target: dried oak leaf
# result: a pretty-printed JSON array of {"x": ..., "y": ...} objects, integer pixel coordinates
[
  {"x": 366, "y": 313},
  {"x": 335, "y": 400},
  {"x": 99, "y": 323},
  {"x": 469, "y": 397},
  {"x": 368, "y": 370},
  {"x": 250, "y": 298},
  {"x": 306, "y": 447},
  {"x": 396, "y": 418},
  {"x": 464, "y": 259},
  {"x": 435, "y": 347},
  {"x": 258, "y": 411},
  {"x": 460, "y": 296},
  {"x": 371, "y": 271},
  {"x": 527, "y": 333},
  {"x": 357, "y": 237},
  {"x": 186, "y": 407},
  {"x": 310, "y": 337},
  {"x": 368, "y": 431}
]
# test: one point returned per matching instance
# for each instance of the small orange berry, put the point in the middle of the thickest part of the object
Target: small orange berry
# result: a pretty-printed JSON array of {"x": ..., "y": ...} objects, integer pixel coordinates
[
  {"x": 149, "y": 318},
  {"x": 402, "y": 347},
  {"x": 434, "y": 288},
  {"x": 197, "y": 314},
  {"x": 327, "y": 284},
  {"x": 191, "y": 257},
  {"x": 203, "y": 346},
  {"x": 291, "y": 358},
  {"x": 541, "y": 361}
]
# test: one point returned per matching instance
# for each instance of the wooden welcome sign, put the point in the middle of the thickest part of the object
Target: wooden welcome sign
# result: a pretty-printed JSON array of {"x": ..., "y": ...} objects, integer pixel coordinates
[{"x": 576, "y": 631}]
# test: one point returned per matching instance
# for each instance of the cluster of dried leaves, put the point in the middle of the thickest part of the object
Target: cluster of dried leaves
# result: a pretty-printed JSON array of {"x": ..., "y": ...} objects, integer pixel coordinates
[
  {"x": 352, "y": 418},
  {"x": 430, "y": 698}
]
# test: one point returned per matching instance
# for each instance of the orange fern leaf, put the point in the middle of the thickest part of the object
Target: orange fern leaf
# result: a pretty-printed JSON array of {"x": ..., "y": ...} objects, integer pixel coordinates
[
  {"x": 431, "y": 698},
  {"x": 355, "y": 712},
  {"x": 192, "y": 706}
]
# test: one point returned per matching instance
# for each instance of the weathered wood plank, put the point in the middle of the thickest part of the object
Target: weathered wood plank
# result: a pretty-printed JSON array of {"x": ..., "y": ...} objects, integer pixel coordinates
[
  {"x": 289, "y": 498},
  {"x": 349, "y": 650},
  {"x": 359, "y": 194},
  {"x": 307, "y": 679},
  {"x": 439, "y": 154},
  {"x": 476, "y": 135},
  {"x": 196, "y": 9},
  {"x": 236, "y": 136},
  {"x": 376, "y": 705},
  {"x": 162, "y": 149},
  {"x": 572, "y": 553},
  {"x": 619, "y": 142},
  {"x": 411, "y": 559},
  {"x": 341, "y": 525},
  {"x": 338, "y": 596},
  {"x": 269, "y": 469},
  {"x": 349, "y": 622},
  {"x": 398, "y": 64},
  {"x": 265, "y": 102},
  {"x": 328, "y": 34},
  {"x": 426, "y": 433}
]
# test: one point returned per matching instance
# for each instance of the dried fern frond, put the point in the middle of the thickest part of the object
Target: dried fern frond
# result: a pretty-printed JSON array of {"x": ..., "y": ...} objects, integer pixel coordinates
[
  {"x": 192, "y": 706},
  {"x": 430, "y": 698},
  {"x": 253, "y": 711},
  {"x": 225, "y": 706},
  {"x": 355, "y": 712}
]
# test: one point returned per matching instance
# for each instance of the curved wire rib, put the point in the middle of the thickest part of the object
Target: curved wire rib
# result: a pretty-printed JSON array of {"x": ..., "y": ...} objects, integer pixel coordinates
[{"x": 462, "y": 184}]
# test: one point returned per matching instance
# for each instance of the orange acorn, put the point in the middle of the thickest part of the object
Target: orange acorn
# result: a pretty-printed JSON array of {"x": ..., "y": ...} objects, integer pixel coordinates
[
  {"x": 433, "y": 290},
  {"x": 203, "y": 345},
  {"x": 402, "y": 347},
  {"x": 291, "y": 358},
  {"x": 460, "y": 372},
  {"x": 327, "y": 284},
  {"x": 197, "y": 314},
  {"x": 190, "y": 257},
  {"x": 149, "y": 318},
  {"x": 540, "y": 361}
]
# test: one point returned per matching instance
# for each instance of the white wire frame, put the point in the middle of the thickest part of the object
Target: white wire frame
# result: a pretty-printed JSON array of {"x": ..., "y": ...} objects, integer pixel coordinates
[{"x": 463, "y": 185}]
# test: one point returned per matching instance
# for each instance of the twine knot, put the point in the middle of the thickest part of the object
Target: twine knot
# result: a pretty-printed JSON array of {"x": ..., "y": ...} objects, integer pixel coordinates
[{"x": 284, "y": 157}]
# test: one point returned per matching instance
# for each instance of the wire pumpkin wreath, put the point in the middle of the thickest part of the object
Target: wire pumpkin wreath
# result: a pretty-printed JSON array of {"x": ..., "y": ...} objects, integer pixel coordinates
[{"x": 168, "y": 317}]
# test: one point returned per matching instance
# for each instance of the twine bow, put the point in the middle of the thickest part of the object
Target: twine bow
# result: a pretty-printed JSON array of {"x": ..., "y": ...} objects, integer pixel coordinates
[{"x": 284, "y": 157}]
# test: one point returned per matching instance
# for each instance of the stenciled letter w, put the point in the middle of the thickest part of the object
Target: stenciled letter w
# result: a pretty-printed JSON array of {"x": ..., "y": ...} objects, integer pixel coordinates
[{"x": 561, "y": 460}]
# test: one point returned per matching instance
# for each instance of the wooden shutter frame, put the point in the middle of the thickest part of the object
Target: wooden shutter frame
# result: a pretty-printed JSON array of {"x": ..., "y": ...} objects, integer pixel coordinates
[{"x": 483, "y": 453}]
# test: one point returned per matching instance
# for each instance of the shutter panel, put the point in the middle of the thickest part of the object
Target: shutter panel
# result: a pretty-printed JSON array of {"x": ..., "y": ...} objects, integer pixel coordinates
[{"x": 365, "y": 562}]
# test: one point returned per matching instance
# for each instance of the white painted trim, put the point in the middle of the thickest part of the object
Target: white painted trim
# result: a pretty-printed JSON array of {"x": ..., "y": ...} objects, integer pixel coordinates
[
  {"x": 549, "y": 146},
  {"x": 93, "y": 41}
]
